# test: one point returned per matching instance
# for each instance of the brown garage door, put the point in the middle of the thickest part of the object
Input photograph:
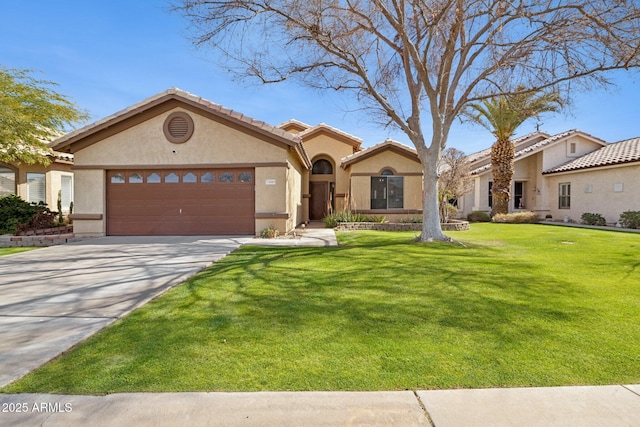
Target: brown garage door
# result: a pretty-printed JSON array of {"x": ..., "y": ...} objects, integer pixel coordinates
[{"x": 180, "y": 202}]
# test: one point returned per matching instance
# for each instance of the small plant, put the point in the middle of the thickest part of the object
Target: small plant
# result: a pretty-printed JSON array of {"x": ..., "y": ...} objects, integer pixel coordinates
[
  {"x": 478, "y": 216},
  {"x": 517, "y": 218},
  {"x": 593, "y": 219},
  {"x": 630, "y": 219},
  {"x": 60, "y": 216},
  {"x": 269, "y": 233},
  {"x": 332, "y": 220}
]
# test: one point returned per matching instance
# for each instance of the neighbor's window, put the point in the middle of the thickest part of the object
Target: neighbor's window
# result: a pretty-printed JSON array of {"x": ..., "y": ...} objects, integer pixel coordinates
[
  {"x": 564, "y": 195},
  {"x": 387, "y": 192},
  {"x": 66, "y": 188},
  {"x": 7, "y": 181},
  {"x": 36, "y": 188}
]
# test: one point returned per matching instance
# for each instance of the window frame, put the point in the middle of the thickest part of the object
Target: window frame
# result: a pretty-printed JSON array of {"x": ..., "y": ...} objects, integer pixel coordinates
[
  {"x": 41, "y": 177},
  {"x": 564, "y": 195}
]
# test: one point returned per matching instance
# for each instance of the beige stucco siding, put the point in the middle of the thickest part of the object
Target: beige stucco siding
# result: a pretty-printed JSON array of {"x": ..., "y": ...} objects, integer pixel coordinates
[
  {"x": 607, "y": 191},
  {"x": 560, "y": 153},
  {"x": 212, "y": 143},
  {"x": 362, "y": 171}
]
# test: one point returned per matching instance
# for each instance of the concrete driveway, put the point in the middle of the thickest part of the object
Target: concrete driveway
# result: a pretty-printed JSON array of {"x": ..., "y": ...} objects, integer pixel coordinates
[{"x": 54, "y": 297}]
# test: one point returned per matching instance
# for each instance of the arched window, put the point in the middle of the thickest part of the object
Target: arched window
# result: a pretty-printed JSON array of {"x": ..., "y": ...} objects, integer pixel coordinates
[
  {"x": 386, "y": 172},
  {"x": 322, "y": 167}
]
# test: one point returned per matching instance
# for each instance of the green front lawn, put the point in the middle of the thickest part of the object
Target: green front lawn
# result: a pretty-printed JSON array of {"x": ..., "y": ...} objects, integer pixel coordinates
[
  {"x": 9, "y": 251},
  {"x": 517, "y": 305}
]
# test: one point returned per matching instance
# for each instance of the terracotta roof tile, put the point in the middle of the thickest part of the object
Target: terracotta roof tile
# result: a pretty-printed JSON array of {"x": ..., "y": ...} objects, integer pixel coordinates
[
  {"x": 613, "y": 154},
  {"x": 204, "y": 103}
]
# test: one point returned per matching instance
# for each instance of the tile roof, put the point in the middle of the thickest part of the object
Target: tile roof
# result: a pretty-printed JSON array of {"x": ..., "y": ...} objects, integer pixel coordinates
[
  {"x": 627, "y": 151},
  {"x": 175, "y": 93},
  {"x": 385, "y": 145},
  {"x": 479, "y": 155},
  {"x": 540, "y": 145},
  {"x": 353, "y": 140}
]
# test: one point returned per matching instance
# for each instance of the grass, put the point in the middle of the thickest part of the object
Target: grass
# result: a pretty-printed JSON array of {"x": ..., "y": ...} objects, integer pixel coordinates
[
  {"x": 518, "y": 305},
  {"x": 15, "y": 250}
]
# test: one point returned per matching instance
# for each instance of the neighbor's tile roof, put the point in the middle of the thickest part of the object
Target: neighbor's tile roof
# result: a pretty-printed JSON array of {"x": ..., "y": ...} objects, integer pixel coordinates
[
  {"x": 540, "y": 145},
  {"x": 482, "y": 154},
  {"x": 613, "y": 154},
  {"x": 176, "y": 93}
]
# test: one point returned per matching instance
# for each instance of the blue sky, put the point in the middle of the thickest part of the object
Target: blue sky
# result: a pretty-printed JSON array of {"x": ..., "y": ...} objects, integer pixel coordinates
[{"x": 108, "y": 55}]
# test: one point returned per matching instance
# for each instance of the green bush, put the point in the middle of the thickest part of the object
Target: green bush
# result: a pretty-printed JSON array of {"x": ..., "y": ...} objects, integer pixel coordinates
[
  {"x": 332, "y": 220},
  {"x": 15, "y": 212},
  {"x": 415, "y": 219},
  {"x": 517, "y": 218},
  {"x": 478, "y": 216},
  {"x": 593, "y": 219},
  {"x": 630, "y": 219}
]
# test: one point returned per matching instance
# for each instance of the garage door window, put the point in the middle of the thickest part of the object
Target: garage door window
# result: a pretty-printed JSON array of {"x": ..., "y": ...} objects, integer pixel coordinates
[
  {"x": 171, "y": 178},
  {"x": 135, "y": 178},
  {"x": 153, "y": 178},
  {"x": 117, "y": 179},
  {"x": 208, "y": 177},
  {"x": 189, "y": 178},
  {"x": 226, "y": 177},
  {"x": 244, "y": 177}
]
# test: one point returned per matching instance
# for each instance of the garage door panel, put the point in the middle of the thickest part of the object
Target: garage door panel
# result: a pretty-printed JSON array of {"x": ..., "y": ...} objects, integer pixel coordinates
[{"x": 207, "y": 206}]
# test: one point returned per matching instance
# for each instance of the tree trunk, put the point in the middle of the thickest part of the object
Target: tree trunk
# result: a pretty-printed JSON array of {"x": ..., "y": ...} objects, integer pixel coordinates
[
  {"x": 431, "y": 229},
  {"x": 502, "y": 154}
]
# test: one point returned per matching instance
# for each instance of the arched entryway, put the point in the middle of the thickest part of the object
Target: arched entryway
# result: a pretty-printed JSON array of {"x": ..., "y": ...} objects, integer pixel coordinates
[{"x": 321, "y": 189}]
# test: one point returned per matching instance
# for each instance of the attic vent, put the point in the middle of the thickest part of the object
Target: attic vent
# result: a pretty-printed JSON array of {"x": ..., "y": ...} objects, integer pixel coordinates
[{"x": 178, "y": 127}]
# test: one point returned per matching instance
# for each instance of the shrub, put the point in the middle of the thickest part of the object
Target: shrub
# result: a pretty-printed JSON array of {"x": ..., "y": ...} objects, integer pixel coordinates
[
  {"x": 517, "y": 218},
  {"x": 15, "y": 211},
  {"x": 415, "y": 219},
  {"x": 270, "y": 232},
  {"x": 630, "y": 219},
  {"x": 478, "y": 216},
  {"x": 332, "y": 220},
  {"x": 593, "y": 219}
]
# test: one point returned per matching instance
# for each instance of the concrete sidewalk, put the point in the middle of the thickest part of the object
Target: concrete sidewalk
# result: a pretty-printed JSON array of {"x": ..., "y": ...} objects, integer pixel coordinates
[{"x": 610, "y": 406}]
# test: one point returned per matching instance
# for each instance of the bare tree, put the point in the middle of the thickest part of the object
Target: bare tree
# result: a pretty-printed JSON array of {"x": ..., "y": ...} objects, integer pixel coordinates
[
  {"x": 455, "y": 180},
  {"x": 416, "y": 64}
]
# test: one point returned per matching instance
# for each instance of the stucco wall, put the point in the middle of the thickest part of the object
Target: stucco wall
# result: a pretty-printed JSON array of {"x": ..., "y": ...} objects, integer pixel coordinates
[
  {"x": 325, "y": 146},
  {"x": 212, "y": 143},
  {"x": 594, "y": 191},
  {"x": 362, "y": 171}
]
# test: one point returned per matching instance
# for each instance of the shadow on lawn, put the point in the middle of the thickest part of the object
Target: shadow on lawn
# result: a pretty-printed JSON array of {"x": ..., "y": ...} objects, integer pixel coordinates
[{"x": 389, "y": 287}]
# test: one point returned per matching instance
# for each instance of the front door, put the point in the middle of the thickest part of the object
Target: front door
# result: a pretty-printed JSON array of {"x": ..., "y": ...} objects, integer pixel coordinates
[{"x": 319, "y": 200}]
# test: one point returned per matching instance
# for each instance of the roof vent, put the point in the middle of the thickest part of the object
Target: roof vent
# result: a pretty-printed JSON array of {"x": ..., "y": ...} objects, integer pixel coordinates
[{"x": 178, "y": 127}]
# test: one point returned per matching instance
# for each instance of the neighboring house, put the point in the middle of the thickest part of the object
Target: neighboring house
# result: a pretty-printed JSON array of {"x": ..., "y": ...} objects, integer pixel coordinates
[
  {"x": 563, "y": 175},
  {"x": 178, "y": 164},
  {"x": 39, "y": 183}
]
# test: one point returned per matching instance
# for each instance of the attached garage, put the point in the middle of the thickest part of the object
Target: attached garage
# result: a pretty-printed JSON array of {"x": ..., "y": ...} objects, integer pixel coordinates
[
  {"x": 176, "y": 164},
  {"x": 180, "y": 202}
]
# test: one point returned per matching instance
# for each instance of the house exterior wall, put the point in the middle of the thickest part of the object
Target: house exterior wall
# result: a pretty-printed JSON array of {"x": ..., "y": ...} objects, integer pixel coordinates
[
  {"x": 325, "y": 146},
  {"x": 213, "y": 143},
  {"x": 360, "y": 188},
  {"x": 608, "y": 191},
  {"x": 53, "y": 180}
]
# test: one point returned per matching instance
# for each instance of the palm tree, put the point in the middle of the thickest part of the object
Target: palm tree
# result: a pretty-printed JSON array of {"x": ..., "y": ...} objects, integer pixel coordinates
[{"x": 502, "y": 115}]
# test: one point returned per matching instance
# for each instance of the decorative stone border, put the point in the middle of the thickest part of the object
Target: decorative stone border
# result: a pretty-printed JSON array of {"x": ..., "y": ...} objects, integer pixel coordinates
[
  {"x": 8, "y": 241},
  {"x": 63, "y": 229},
  {"x": 454, "y": 225}
]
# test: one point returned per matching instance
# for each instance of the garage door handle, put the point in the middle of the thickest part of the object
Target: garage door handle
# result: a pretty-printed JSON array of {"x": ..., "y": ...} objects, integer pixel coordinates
[{"x": 180, "y": 211}]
